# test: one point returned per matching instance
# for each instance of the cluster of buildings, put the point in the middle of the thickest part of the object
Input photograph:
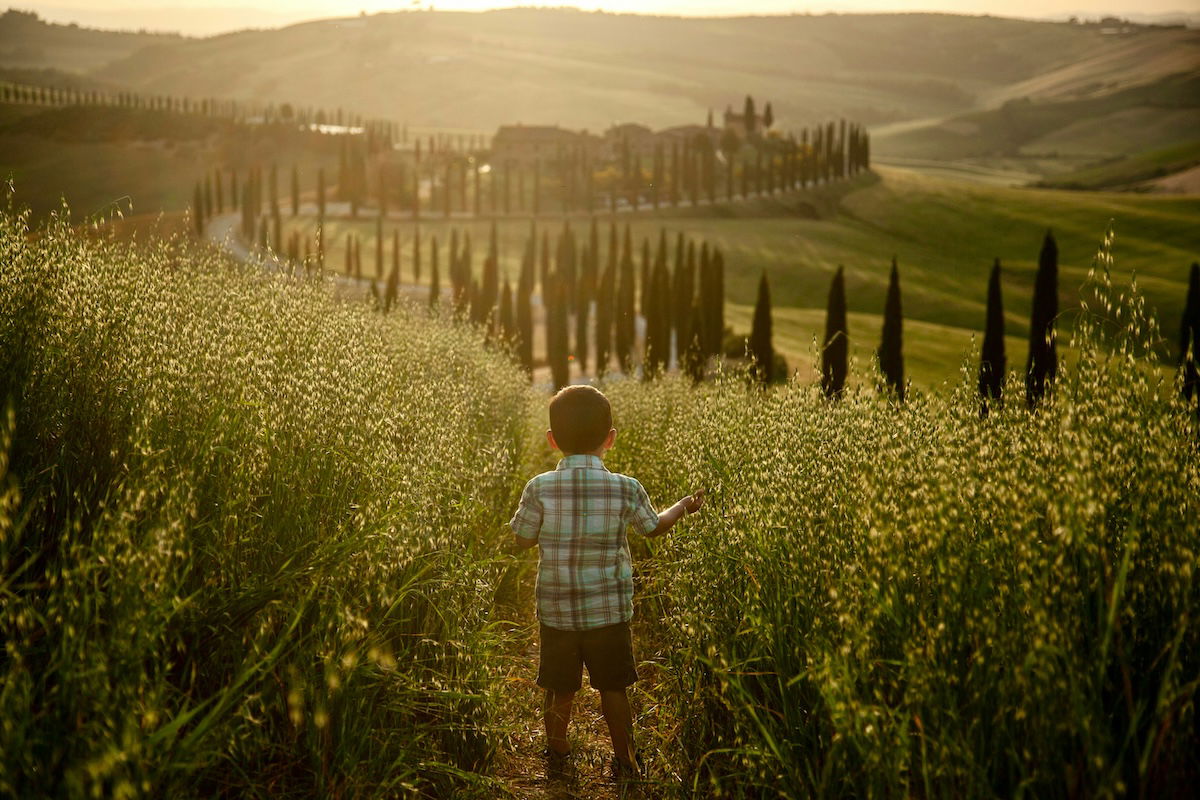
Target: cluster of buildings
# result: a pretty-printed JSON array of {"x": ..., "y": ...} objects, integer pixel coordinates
[{"x": 525, "y": 144}]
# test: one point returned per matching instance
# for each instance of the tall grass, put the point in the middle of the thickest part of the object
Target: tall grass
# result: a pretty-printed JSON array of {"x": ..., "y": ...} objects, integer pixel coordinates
[
  {"x": 913, "y": 601},
  {"x": 243, "y": 530}
]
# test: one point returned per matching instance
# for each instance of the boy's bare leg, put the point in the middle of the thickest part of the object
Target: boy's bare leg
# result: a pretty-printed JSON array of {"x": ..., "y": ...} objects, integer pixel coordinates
[
  {"x": 620, "y": 723},
  {"x": 557, "y": 713}
]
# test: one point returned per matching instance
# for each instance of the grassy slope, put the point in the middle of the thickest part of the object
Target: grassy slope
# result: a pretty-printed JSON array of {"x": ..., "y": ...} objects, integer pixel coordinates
[
  {"x": 587, "y": 70},
  {"x": 945, "y": 235},
  {"x": 1064, "y": 135}
]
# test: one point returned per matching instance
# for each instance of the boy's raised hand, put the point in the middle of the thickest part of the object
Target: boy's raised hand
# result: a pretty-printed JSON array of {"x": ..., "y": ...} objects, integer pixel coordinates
[{"x": 693, "y": 502}]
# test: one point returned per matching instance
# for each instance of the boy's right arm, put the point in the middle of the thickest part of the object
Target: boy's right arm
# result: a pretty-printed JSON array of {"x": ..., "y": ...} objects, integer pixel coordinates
[{"x": 527, "y": 522}]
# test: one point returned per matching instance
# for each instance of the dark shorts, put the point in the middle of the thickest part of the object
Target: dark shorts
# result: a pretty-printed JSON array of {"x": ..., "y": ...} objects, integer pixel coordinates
[{"x": 607, "y": 652}]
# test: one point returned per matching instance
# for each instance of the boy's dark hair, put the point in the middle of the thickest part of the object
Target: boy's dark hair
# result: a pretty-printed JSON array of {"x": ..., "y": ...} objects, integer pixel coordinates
[{"x": 580, "y": 418}]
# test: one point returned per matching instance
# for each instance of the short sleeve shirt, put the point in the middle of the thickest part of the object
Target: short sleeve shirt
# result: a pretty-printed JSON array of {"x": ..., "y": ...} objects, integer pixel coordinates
[{"x": 579, "y": 514}]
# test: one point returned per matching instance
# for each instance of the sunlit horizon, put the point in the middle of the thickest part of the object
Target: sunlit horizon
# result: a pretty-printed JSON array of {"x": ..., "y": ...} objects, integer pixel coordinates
[{"x": 201, "y": 17}]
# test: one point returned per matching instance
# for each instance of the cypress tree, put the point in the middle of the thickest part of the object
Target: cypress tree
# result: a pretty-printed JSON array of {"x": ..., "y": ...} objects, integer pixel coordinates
[
  {"x": 890, "y": 353},
  {"x": 524, "y": 311},
  {"x": 218, "y": 183},
  {"x": 321, "y": 194},
  {"x": 992, "y": 363},
  {"x": 208, "y": 197},
  {"x": 198, "y": 210},
  {"x": 693, "y": 356},
  {"x": 1189, "y": 337},
  {"x": 417, "y": 255},
  {"x": 625, "y": 311},
  {"x": 396, "y": 254},
  {"x": 748, "y": 116},
  {"x": 379, "y": 246},
  {"x": 716, "y": 325},
  {"x": 583, "y": 299},
  {"x": 762, "y": 352},
  {"x": 295, "y": 191},
  {"x": 652, "y": 342},
  {"x": 233, "y": 189},
  {"x": 435, "y": 282},
  {"x": 1042, "y": 364},
  {"x": 507, "y": 324},
  {"x": 556, "y": 332},
  {"x": 835, "y": 351},
  {"x": 660, "y": 311},
  {"x": 604, "y": 316},
  {"x": 392, "y": 291},
  {"x": 489, "y": 288},
  {"x": 544, "y": 271}
]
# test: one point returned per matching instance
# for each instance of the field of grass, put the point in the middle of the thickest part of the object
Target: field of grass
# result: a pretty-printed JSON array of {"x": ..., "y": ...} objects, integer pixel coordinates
[
  {"x": 250, "y": 545},
  {"x": 945, "y": 235}
]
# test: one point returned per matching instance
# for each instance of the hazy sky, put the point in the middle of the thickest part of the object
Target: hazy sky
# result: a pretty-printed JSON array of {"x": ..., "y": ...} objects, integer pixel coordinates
[
  {"x": 210, "y": 16},
  {"x": 323, "y": 8}
]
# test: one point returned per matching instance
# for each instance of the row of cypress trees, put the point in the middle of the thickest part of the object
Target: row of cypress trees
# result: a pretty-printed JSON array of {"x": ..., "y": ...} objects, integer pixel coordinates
[
  {"x": 1040, "y": 369},
  {"x": 1041, "y": 365}
]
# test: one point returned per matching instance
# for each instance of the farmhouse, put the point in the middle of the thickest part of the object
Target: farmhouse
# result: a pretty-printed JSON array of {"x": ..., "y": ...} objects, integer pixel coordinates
[{"x": 525, "y": 144}]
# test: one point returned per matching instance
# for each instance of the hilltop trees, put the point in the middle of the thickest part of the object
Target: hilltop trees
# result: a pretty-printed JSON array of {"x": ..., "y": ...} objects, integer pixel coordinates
[
  {"x": 835, "y": 350},
  {"x": 992, "y": 363},
  {"x": 1042, "y": 364},
  {"x": 890, "y": 353}
]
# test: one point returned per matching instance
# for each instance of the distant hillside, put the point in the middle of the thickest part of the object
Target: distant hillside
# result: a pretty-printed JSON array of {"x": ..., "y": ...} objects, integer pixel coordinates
[
  {"x": 588, "y": 69},
  {"x": 1097, "y": 141},
  {"x": 30, "y": 43}
]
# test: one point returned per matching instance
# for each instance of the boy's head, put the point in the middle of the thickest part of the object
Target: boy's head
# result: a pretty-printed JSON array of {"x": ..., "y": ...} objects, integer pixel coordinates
[{"x": 580, "y": 420}]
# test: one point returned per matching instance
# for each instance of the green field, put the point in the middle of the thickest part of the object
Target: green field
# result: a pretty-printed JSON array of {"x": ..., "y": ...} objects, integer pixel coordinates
[
  {"x": 944, "y": 234},
  {"x": 252, "y": 544}
]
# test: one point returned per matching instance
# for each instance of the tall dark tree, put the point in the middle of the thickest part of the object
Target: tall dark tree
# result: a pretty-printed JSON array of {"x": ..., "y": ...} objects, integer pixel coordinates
[
  {"x": 583, "y": 301},
  {"x": 749, "y": 116},
  {"x": 835, "y": 351},
  {"x": 295, "y": 191},
  {"x": 605, "y": 298},
  {"x": 396, "y": 254},
  {"x": 716, "y": 315},
  {"x": 198, "y": 209},
  {"x": 1042, "y": 365},
  {"x": 435, "y": 281},
  {"x": 489, "y": 287},
  {"x": 508, "y": 327},
  {"x": 891, "y": 353},
  {"x": 379, "y": 246},
  {"x": 993, "y": 363},
  {"x": 762, "y": 351},
  {"x": 557, "y": 349},
  {"x": 524, "y": 311},
  {"x": 218, "y": 184},
  {"x": 768, "y": 117},
  {"x": 624, "y": 320},
  {"x": 417, "y": 255},
  {"x": 392, "y": 290},
  {"x": 1189, "y": 338}
]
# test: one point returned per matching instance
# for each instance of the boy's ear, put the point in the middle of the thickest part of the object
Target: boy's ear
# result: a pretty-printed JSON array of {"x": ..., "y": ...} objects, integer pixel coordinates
[
  {"x": 550, "y": 439},
  {"x": 612, "y": 437}
]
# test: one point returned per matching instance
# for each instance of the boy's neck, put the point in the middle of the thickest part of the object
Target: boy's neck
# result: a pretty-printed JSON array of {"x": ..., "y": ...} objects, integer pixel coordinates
[{"x": 598, "y": 453}]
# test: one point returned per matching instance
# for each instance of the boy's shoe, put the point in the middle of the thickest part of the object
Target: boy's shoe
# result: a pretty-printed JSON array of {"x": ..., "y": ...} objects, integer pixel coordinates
[
  {"x": 623, "y": 772},
  {"x": 558, "y": 765}
]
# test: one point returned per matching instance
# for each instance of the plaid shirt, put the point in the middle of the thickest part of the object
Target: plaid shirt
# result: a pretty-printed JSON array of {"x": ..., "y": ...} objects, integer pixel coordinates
[{"x": 578, "y": 513}]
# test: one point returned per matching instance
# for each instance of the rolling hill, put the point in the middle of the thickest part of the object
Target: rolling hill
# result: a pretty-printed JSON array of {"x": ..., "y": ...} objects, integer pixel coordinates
[{"x": 586, "y": 70}]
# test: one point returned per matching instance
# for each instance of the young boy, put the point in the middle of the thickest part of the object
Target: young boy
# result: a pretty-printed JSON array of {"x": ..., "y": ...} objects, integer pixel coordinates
[{"x": 577, "y": 515}]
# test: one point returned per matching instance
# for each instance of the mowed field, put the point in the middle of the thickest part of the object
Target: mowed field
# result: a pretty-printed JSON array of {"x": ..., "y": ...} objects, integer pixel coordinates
[{"x": 944, "y": 234}]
